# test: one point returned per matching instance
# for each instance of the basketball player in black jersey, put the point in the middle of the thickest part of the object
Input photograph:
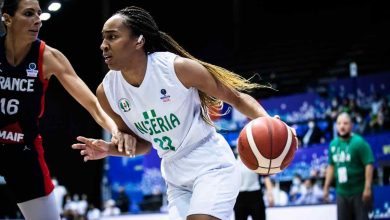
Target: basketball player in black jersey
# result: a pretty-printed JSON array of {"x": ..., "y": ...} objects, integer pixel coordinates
[{"x": 26, "y": 64}]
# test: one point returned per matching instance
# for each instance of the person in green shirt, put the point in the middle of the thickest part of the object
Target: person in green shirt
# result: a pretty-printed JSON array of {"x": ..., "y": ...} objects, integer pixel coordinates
[{"x": 351, "y": 163}]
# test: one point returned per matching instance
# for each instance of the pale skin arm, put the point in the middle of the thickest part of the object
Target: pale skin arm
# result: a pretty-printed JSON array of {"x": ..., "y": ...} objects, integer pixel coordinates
[
  {"x": 328, "y": 180},
  {"x": 269, "y": 188},
  {"x": 93, "y": 149},
  {"x": 367, "y": 193},
  {"x": 55, "y": 63}
]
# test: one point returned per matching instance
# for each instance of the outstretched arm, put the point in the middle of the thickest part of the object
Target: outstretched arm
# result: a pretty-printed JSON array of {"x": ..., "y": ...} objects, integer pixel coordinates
[
  {"x": 93, "y": 149},
  {"x": 55, "y": 63},
  {"x": 133, "y": 145}
]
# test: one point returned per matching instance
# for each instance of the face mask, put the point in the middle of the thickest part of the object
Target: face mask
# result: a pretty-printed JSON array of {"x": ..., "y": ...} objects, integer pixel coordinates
[{"x": 296, "y": 181}]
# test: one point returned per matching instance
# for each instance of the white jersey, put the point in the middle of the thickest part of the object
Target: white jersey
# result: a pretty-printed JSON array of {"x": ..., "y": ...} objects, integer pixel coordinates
[{"x": 161, "y": 110}]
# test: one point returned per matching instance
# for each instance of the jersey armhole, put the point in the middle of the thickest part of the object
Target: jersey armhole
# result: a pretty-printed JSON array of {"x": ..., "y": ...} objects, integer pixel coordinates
[
  {"x": 172, "y": 70},
  {"x": 106, "y": 87},
  {"x": 45, "y": 82}
]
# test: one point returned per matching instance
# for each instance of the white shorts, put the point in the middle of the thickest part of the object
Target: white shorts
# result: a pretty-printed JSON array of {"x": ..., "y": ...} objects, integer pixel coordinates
[
  {"x": 206, "y": 181},
  {"x": 42, "y": 208}
]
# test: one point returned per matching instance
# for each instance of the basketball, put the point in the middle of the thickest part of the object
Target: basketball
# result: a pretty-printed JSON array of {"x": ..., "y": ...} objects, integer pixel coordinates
[{"x": 266, "y": 145}]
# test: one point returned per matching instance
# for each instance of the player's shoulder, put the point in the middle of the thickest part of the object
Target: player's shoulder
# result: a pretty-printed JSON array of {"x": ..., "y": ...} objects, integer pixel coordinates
[
  {"x": 51, "y": 52},
  {"x": 162, "y": 57}
]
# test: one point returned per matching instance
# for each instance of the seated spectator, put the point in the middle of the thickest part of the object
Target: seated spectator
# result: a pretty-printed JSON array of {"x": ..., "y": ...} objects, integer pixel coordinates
[
  {"x": 70, "y": 207},
  {"x": 82, "y": 205},
  {"x": 386, "y": 112},
  {"x": 60, "y": 192},
  {"x": 312, "y": 194},
  {"x": 152, "y": 202},
  {"x": 313, "y": 135},
  {"x": 123, "y": 201},
  {"x": 360, "y": 125},
  {"x": 297, "y": 188},
  {"x": 93, "y": 213},
  {"x": 110, "y": 208},
  {"x": 280, "y": 197}
]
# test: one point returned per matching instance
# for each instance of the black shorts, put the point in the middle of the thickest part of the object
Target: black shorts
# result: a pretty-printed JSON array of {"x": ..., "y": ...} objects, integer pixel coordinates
[{"x": 25, "y": 171}]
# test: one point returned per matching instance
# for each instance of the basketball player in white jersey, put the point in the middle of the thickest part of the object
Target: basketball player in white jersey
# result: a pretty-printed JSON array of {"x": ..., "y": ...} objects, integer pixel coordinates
[{"x": 162, "y": 95}]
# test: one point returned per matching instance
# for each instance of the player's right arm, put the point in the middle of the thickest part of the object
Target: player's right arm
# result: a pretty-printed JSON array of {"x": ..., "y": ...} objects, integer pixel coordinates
[
  {"x": 93, "y": 149},
  {"x": 133, "y": 144}
]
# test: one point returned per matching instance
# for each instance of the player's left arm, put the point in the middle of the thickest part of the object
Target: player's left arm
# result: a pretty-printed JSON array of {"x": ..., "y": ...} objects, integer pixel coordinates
[
  {"x": 367, "y": 158},
  {"x": 55, "y": 63},
  {"x": 193, "y": 74}
]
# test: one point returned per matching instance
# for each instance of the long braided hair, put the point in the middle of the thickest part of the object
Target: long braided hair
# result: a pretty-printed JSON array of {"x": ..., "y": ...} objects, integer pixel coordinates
[{"x": 141, "y": 22}]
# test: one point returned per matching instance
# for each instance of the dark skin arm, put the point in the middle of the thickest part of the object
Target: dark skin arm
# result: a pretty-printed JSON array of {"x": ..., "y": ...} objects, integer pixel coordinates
[{"x": 193, "y": 74}]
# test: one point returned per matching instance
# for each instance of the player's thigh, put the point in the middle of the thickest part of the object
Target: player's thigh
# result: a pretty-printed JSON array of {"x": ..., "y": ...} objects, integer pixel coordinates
[
  {"x": 178, "y": 202},
  {"x": 26, "y": 172},
  {"x": 215, "y": 192}
]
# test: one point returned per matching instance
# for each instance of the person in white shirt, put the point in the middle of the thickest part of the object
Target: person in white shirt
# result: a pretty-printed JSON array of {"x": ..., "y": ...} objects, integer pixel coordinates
[
  {"x": 110, "y": 208},
  {"x": 250, "y": 201},
  {"x": 312, "y": 194},
  {"x": 59, "y": 193},
  {"x": 297, "y": 188},
  {"x": 280, "y": 196},
  {"x": 93, "y": 213}
]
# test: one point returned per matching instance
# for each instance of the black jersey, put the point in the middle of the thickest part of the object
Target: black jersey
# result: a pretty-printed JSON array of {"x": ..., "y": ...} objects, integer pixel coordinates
[{"x": 22, "y": 90}]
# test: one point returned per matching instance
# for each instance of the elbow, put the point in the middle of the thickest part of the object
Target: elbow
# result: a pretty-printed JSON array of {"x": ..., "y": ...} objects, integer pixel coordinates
[{"x": 236, "y": 100}]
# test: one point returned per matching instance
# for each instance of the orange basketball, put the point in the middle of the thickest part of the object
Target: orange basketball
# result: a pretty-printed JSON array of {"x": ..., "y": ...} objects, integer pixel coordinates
[{"x": 266, "y": 145}]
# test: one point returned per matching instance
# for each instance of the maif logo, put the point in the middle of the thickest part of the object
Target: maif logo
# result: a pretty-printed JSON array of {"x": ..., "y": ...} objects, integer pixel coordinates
[{"x": 124, "y": 105}]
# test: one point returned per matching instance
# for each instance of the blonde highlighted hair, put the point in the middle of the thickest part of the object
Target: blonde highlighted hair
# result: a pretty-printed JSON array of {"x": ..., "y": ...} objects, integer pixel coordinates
[{"x": 141, "y": 22}]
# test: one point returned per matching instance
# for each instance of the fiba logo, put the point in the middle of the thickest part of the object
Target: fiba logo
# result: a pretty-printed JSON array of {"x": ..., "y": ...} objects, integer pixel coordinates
[
  {"x": 32, "y": 71},
  {"x": 124, "y": 105},
  {"x": 32, "y": 66},
  {"x": 165, "y": 97}
]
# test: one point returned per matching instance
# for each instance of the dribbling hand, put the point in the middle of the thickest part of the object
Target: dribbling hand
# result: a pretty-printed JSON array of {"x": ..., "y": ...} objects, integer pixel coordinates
[{"x": 292, "y": 130}]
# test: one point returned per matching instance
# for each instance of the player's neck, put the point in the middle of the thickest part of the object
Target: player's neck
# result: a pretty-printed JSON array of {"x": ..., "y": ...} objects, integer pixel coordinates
[{"x": 16, "y": 50}]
